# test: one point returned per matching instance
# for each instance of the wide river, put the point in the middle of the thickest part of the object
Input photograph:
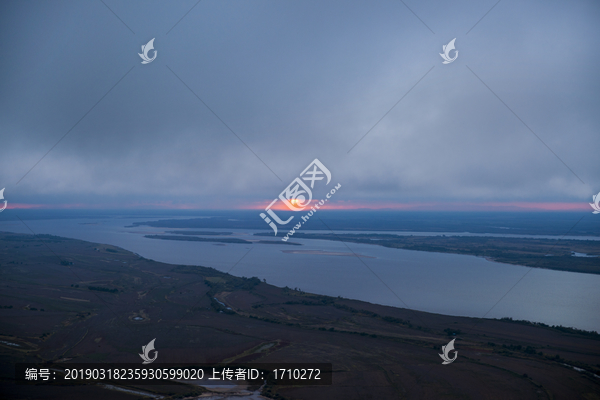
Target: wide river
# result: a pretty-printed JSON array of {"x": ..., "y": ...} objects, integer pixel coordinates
[{"x": 449, "y": 284}]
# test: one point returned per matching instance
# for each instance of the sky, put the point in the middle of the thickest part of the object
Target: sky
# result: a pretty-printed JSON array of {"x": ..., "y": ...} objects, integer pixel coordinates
[{"x": 244, "y": 95}]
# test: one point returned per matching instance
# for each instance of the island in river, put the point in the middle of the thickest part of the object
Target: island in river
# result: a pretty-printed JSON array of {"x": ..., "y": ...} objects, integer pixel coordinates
[
  {"x": 563, "y": 255},
  {"x": 187, "y": 238}
]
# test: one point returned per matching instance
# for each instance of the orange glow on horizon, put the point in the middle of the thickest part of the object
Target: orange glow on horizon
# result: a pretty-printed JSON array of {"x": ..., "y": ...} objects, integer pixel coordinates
[{"x": 330, "y": 205}]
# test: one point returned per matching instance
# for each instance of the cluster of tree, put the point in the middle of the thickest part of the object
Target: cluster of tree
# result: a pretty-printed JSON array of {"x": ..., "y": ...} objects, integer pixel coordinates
[
  {"x": 103, "y": 289},
  {"x": 287, "y": 290},
  {"x": 33, "y": 238},
  {"x": 392, "y": 320},
  {"x": 452, "y": 332},
  {"x": 560, "y": 328},
  {"x": 319, "y": 302}
]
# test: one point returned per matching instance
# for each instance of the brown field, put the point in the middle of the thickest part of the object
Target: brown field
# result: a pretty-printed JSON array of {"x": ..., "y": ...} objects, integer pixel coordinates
[{"x": 377, "y": 352}]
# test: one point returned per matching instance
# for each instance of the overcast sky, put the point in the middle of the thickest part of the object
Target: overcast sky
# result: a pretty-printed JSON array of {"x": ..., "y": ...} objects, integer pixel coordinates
[{"x": 298, "y": 80}]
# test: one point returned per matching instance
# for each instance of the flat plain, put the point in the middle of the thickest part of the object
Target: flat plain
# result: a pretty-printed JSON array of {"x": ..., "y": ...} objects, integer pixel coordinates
[{"x": 80, "y": 302}]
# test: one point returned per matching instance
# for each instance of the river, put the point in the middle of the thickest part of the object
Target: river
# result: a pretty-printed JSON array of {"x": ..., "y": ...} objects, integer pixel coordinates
[{"x": 442, "y": 283}]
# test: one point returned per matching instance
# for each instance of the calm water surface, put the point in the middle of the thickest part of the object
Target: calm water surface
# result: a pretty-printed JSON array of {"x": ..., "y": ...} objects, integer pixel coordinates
[{"x": 435, "y": 282}]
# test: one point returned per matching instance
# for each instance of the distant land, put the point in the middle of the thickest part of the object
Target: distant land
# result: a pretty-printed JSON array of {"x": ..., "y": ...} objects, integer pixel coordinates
[
  {"x": 537, "y": 253},
  {"x": 517, "y": 223},
  {"x": 553, "y": 223},
  {"x": 217, "y": 240},
  {"x": 326, "y": 253},
  {"x": 88, "y": 302},
  {"x": 200, "y": 233}
]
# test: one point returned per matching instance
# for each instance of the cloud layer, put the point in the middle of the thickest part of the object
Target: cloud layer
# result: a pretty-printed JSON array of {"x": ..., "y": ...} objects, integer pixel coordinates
[{"x": 297, "y": 81}]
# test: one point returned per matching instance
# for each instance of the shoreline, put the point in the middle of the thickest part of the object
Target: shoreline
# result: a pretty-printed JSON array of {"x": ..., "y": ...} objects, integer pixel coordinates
[{"x": 202, "y": 315}]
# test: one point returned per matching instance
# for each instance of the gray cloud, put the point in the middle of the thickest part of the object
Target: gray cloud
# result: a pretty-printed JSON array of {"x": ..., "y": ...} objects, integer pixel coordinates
[{"x": 298, "y": 81}]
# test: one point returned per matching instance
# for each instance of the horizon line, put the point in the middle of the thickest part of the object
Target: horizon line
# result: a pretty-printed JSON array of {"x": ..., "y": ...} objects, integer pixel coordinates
[{"x": 510, "y": 206}]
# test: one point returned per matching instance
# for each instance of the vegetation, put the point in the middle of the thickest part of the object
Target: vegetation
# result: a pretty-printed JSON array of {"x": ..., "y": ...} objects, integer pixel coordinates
[
  {"x": 103, "y": 289},
  {"x": 187, "y": 238},
  {"x": 555, "y": 327},
  {"x": 452, "y": 332},
  {"x": 368, "y": 344},
  {"x": 198, "y": 239}
]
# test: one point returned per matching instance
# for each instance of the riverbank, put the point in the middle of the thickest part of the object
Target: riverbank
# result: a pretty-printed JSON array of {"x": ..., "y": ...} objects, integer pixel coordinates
[
  {"x": 560, "y": 255},
  {"x": 381, "y": 350}
]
